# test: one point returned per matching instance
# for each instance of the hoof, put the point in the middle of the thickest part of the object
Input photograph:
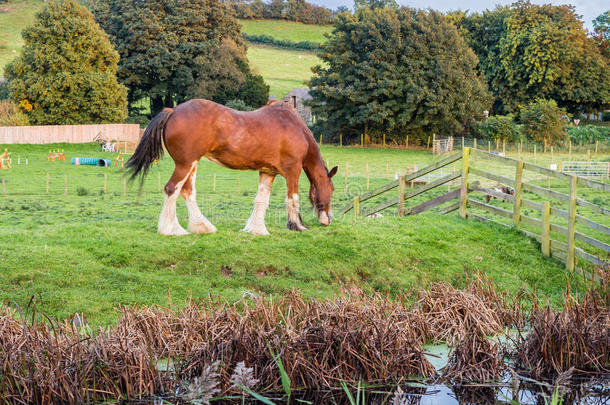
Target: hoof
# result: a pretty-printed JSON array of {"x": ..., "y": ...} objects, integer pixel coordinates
[
  {"x": 293, "y": 226},
  {"x": 256, "y": 230},
  {"x": 202, "y": 227}
]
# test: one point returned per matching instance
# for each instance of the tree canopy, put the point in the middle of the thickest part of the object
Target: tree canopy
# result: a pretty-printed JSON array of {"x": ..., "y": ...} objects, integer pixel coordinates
[
  {"x": 531, "y": 51},
  {"x": 172, "y": 51},
  {"x": 396, "y": 71},
  {"x": 66, "y": 72}
]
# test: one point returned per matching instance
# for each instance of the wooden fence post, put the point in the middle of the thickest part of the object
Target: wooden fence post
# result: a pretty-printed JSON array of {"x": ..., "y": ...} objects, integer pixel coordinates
[
  {"x": 384, "y": 140},
  {"x": 341, "y": 140},
  {"x": 546, "y": 228},
  {"x": 518, "y": 189},
  {"x": 401, "y": 195},
  {"x": 464, "y": 188},
  {"x": 320, "y": 139},
  {"x": 488, "y": 146},
  {"x": 407, "y": 143},
  {"x": 357, "y": 205},
  {"x": 571, "y": 224},
  {"x": 475, "y": 143},
  {"x": 362, "y": 140}
]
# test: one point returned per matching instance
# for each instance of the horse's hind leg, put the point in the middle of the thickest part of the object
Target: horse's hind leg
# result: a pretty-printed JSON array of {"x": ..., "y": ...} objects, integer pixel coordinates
[
  {"x": 168, "y": 221},
  {"x": 198, "y": 223},
  {"x": 256, "y": 222}
]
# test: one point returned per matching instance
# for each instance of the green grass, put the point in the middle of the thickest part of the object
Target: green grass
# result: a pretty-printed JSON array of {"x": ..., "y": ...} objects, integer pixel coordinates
[
  {"x": 92, "y": 253},
  {"x": 14, "y": 17},
  {"x": 282, "y": 69},
  {"x": 292, "y": 31}
]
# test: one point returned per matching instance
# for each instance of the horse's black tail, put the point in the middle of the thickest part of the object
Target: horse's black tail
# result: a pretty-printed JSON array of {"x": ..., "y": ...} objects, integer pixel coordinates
[{"x": 150, "y": 147}]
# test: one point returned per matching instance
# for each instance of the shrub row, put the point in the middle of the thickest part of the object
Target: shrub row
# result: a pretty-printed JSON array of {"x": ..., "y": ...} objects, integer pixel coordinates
[{"x": 282, "y": 43}]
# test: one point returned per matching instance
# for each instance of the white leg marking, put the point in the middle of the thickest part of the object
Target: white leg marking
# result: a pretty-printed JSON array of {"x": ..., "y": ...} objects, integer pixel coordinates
[
  {"x": 292, "y": 205},
  {"x": 168, "y": 221},
  {"x": 198, "y": 223},
  {"x": 256, "y": 223}
]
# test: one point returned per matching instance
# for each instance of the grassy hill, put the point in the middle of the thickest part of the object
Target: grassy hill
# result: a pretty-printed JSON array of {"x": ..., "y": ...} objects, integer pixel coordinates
[
  {"x": 288, "y": 30},
  {"x": 92, "y": 251},
  {"x": 282, "y": 69},
  {"x": 14, "y": 16}
]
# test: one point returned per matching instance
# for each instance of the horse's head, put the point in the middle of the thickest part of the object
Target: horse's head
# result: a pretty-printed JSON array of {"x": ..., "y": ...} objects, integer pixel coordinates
[{"x": 320, "y": 193}]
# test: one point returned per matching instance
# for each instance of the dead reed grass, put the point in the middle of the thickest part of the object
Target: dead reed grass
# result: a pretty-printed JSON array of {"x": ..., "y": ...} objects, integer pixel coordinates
[
  {"x": 448, "y": 314},
  {"x": 475, "y": 359},
  {"x": 320, "y": 343},
  {"x": 577, "y": 337}
]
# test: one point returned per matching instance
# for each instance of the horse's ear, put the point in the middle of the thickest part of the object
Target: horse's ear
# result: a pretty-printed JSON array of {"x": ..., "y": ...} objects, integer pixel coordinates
[{"x": 332, "y": 172}]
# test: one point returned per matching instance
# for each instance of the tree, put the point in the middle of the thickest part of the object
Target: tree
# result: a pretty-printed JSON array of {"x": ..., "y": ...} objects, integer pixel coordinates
[
  {"x": 424, "y": 82},
  {"x": 601, "y": 33},
  {"x": 500, "y": 127},
  {"x": 172, "y": 51},
  {"x": 66, "y": 72},
  {"x": 528, "y": 51},
  {"x": 542, "y": 121}
]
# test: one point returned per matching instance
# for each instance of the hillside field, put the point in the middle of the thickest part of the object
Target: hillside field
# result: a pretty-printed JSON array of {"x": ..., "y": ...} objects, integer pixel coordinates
[
  {"x": 92, "y": 251},
  {"x": 14, "y": 17},
  {"x": 288, "y": 30}
]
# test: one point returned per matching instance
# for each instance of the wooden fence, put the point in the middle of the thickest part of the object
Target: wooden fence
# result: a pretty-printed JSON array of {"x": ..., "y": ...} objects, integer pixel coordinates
[
  {"x": 69, "y": 133},
  {"x": 567, "y": 252}
]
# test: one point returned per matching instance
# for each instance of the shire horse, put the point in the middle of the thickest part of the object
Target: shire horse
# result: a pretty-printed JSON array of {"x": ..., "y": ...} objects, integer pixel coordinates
[{"x": 271, "y": 140}]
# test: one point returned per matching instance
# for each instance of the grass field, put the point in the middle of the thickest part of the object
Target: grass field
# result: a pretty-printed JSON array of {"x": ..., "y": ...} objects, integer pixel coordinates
[
  {"x": 282, "y": 69},
  {"x": 14, "y": 16},
  {"x": 92, "y": 251},
  {"x": 288, "y": 30}
]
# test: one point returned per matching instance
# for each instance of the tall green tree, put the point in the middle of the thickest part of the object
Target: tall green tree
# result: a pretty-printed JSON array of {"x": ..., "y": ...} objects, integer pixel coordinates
[
  {"x": 601, "y": 33},
  {"x": 396, "y": 71},
  {"x": 66, "y": 72},
  {"x": 529, "y": 51},
  {"x": 174, "y": 50}
]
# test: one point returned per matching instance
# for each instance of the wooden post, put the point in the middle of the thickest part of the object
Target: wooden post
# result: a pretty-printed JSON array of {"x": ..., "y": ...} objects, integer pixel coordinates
[
  {"x": 367, "y": 176},
  {"x": 498, "y": 144},
  {"x": 214, "y": 183},
  {"x": 475, "y": 143},
  {"x": 546, "y": 228},
  {"x": 464, "y": 187},
  {"x": 356, "y": 205},
  {"x": 320, "y": 139},
  {"x": 544, "y": 151},
  {"x": 571, "y": 224},
  {"x": 384, "y": 140},
  {"x": 340, "y": 139},
  {"x": 407, "y": 143},
  {"x": 588, "y": 155},
  {"x": 488, "y": 146},
  {"x": 504, "y": 147},
  {"x": 401, "y": 195},
  {"x": 66, "y": 185},
  {"x": 47, "y": 183},
  {"x": 124, "y": 186},
  {"x": 518, "y": 189},
  {"x": 551, "y": 153},
  {"x": 362, "y": 140},
  {"x": 105, "y": 182},
  {"x": 346, "y": 172}
]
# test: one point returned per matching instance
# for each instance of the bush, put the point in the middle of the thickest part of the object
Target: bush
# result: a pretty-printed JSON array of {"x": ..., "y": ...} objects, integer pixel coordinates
[
  {"x": 66, "y": 72},
  {"x": 11, "y": 116},
  {"x": 606, "y": 116},
  {"x": 4, "y": 91},
  {"x": 542, "y": 121},
  {"x": 239, "y": 105},
  {"x": 588, "y": 134},
  {"x": 282, "y": 43},
  {"x": 500, "y": 127}
]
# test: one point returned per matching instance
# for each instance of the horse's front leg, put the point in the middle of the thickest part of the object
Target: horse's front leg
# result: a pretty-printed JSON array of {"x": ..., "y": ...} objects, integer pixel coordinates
[
  {"x": 294, "y": 222},
  {"x": 256, "y": 222}
]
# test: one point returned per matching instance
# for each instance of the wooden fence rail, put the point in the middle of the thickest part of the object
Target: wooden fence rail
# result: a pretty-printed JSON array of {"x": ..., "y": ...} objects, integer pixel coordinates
[
  {"x": 565, "y": 251},
  {"x": 69, "y": 133}
]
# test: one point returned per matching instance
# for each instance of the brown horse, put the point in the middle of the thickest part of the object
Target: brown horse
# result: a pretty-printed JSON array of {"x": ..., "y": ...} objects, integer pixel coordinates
[{"x": 272, "y": 140}]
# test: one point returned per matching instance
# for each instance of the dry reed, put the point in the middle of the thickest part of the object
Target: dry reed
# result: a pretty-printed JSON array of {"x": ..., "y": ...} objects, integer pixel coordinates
[{"x": 474, "y": 360}]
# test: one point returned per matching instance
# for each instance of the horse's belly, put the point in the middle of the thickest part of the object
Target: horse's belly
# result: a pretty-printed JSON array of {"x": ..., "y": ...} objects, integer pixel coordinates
[{"x": 241, "y": 164}]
